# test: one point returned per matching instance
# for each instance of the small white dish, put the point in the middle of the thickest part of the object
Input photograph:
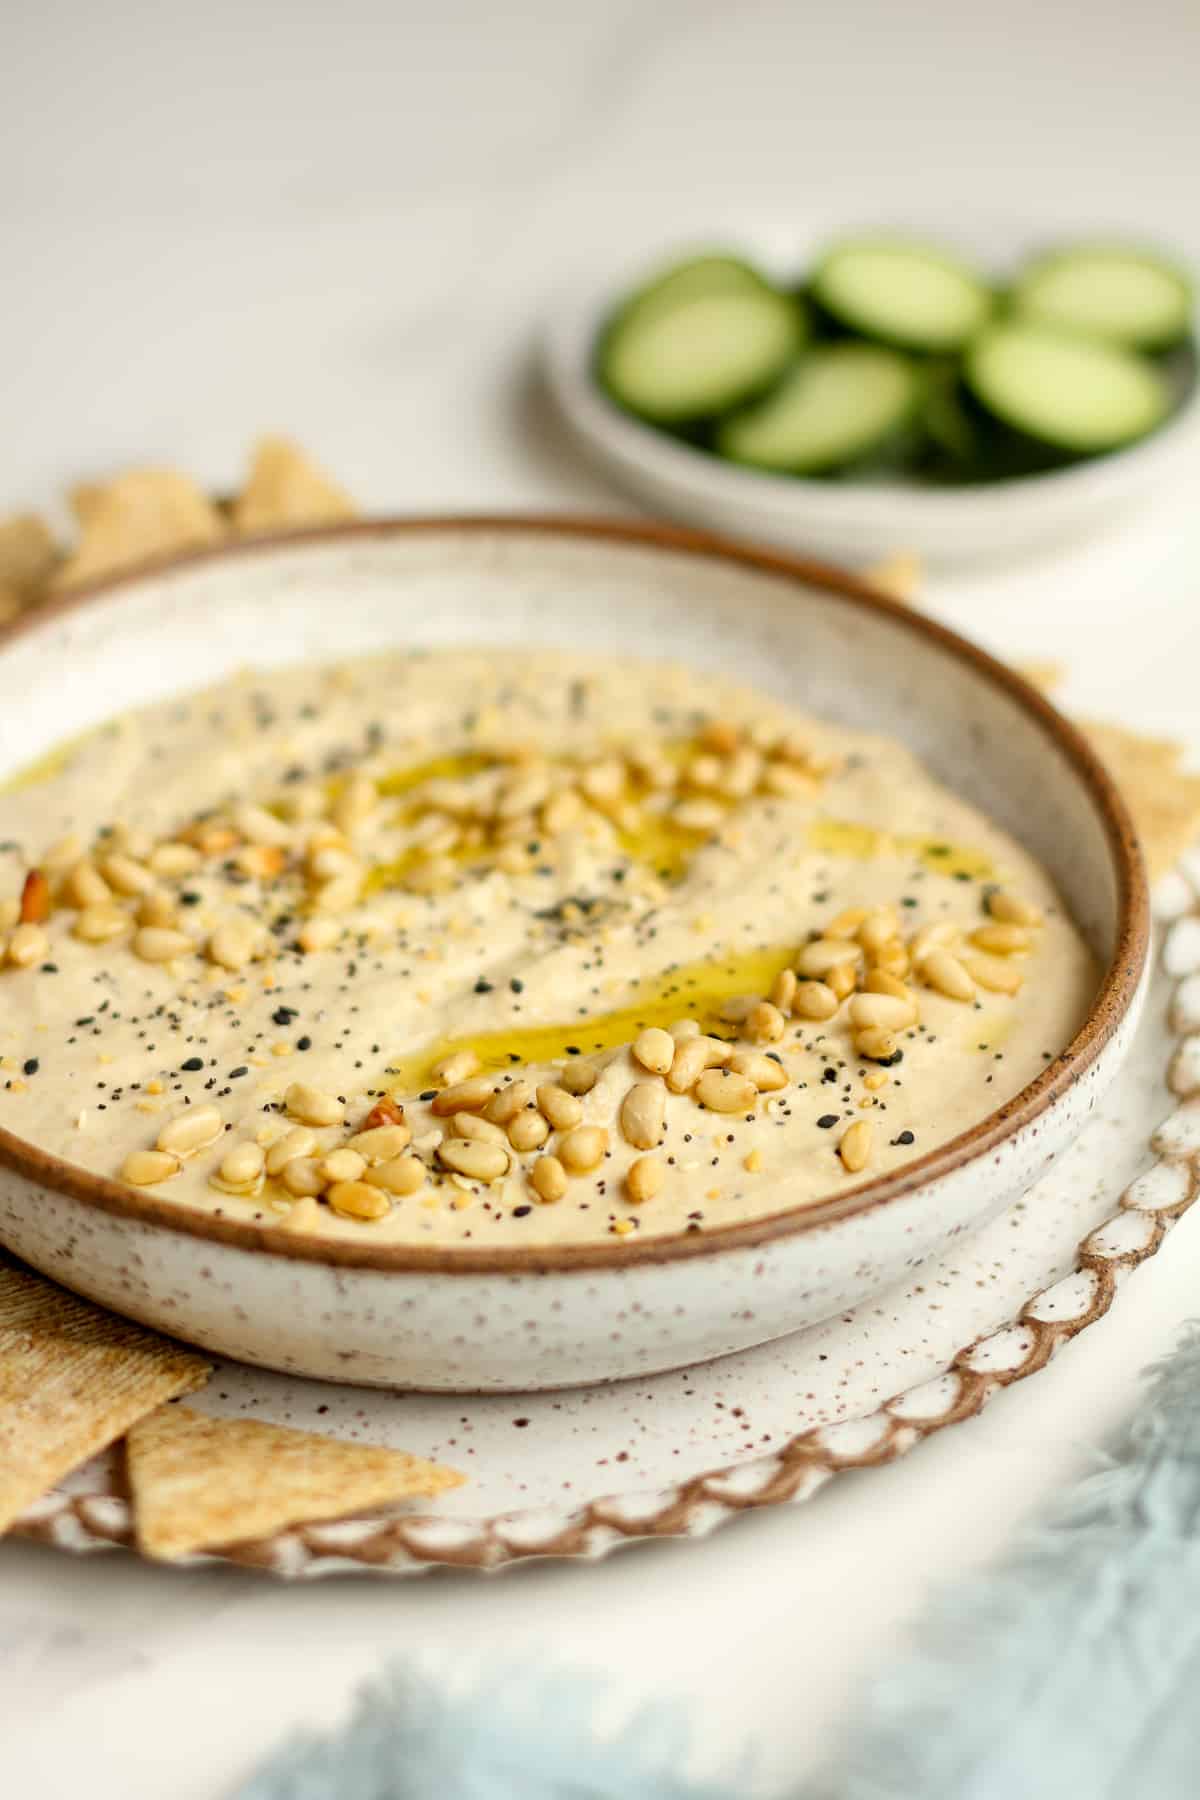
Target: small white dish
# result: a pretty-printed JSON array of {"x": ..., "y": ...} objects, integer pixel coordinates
[{"x": 853, "y": 521}]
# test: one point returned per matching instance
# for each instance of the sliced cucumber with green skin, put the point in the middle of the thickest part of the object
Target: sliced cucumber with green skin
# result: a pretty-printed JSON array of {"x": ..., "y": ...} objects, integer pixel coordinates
[
  {"x": 901, "y": 293},
  {"x": 838, "y": 407},
  {"x": 714, "y": 349},
  {"x": 1075, "y": 395},
  {"x": 686, "y": 280},
  {"x": 1128, "y": 296}
]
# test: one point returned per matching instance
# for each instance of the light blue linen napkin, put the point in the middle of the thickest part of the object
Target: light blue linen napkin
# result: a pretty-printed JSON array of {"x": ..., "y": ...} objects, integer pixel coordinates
[{"x": 1070, "y": 1672}]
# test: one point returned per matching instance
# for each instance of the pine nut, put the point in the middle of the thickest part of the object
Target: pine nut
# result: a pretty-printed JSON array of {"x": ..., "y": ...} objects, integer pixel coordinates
[
  {"x": 737, "y": 1008},
  {"x": 86, "y": 886},
  {"x": 855, "y": 1147},
  {"x": 560, "y": 1108},
  {"x": 692, "y": 1058},
  {"x": 191, "y": 1130},
  {"x": 644, "y": 1179},
  {"x": 528, "y": 1131},
  {"x": 877, "y": 931},
  {"x": 300, "y": 1141},
  {"x": 723, "y": 1091},
  {"x": 340, "y": 894},
  {"x": 357, "y": 1200},
  {"x": 476, "y": 1160},
  {"x": 303, "y": 1217},
  {"x": 158, "y": 908},
  {"x": 63, "y": 855},
  {"x": 258, "y": 826},
  {"x": 880, "y": 1010},
  {"x": 302, "y": 1177},
  {"x": 578, "y": 1077},
  {"x": 146, "y": 1168},
  {"x": 99, "y": 924},
  {"x": 876, "y": 1043},
  {"x": 998, "y": 974},
  {"x": 355, "y": 803},
  {"x": 470, "y": 1125},
  {"x": 464, "y": 1096},
  {"x": 946, "y": 973},
  {"x": 158, "y": 944},
  {"x": 242, "y": 1165},
  {"x": 720, "y": 736},
  {"x": 814, "y": 1000},
  {"x": 454, "y": 1068},
  {"x": 27, "y": 945},
  {"x": 643, "y": 1112},
  {"x": 312, "y": 1106},
  {"x": 318, "y": 934},
  {"x": 1002, "y": 940},
  {"x": 786, "y": 783},
  {"x": 705, "y": 772},
  {"x": 783, "y": 990},
  {"x": 583, "y": 1149},
  {"x": 842, "y": 980},
  {"x": 173, "y": 859},
  {"x": 766, "y": 1024},
  {"x": 561, "y": 812},
  {"x": 126, "y": 875},
  {"x": 381, "y": 1142},
  {"x": 343, "y": 1165},
  {"x": 654, "y": 1049},
  {"x": 846, "y": 924},
  {"x": 1011, "y": 909},
  {"x": 548, "y": 1179},
  {"x": 880, "y": 981},
  {"x": 820, "y": 958},
  {"x": 330, "y": 862},
  {"x": 508, "y": 1101},
  {"x": 399, "y": 1175},
  {"x": 682, "y": 1029},
  {"x": 235, "y": 943},
  {"x": 893, "y": 959},
  {"x": 939, "y": 934},
  {"x": 767, "y": 1075},
  {"x": 698, "y": 815}
]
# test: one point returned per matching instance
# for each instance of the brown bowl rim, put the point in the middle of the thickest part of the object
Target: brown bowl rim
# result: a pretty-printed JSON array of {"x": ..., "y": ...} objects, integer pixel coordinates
[{"x": 1113, "y": 999}]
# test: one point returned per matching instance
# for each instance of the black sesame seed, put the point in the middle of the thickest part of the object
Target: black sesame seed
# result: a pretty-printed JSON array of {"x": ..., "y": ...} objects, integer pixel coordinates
[
  {"x": 906, "y": 1137},
  {"x": 192, "y": 1064},
  {"x": 234, "y": 1074},
  {"x": 304, "y": 1043},
  {"x": 482, "y": 986},
  {"x": 827, "y": 1121},
  {"x": 30, "y": 1065},
  {"x": 428, "y": 1094},
  {"x": 283, "y": 1015},
  {"x": 517, "y": 985},
  {"x": 519, "y": 1212}
]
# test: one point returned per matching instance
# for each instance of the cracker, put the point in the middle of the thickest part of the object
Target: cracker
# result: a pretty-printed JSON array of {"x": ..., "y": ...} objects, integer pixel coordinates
[
  {"x": 28, "y": 555},
  {"x": 286, "y": 489},
  {"x": 902, "y": 575},
  {"x": 143, "y": 513},
  {"x": 1044, "y": 675},
  {"x": 1163, "y": 798},
  {"x": 72, "y": 1380},
  {"x": 198, "y": 1482}
]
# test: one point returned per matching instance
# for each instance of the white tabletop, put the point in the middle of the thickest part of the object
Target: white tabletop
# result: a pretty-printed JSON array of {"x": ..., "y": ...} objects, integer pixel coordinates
[{"x": 343, "y": 222}]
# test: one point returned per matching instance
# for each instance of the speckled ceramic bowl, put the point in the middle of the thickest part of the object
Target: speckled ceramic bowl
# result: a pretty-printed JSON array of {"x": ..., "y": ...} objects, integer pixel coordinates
[{"x": 471, "y": 1319}]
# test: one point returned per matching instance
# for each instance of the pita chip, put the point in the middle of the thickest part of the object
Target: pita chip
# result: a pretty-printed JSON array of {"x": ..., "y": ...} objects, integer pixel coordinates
[
  {"x": 28, "y": 556},
  {"x": 286, "y": 490},
  {"x": 141, "y": 514},
  {"x": 72, "y": 1380},
  {"x": 199, "y": 1482},
  {"x": 1163, "y": 798}
]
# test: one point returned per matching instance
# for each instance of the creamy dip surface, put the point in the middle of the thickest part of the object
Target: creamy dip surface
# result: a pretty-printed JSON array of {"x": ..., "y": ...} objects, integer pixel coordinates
[{"x": 603, "y": 949}]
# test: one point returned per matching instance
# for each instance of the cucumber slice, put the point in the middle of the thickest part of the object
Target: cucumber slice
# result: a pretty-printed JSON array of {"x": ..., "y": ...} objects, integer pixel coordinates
[
  {"x": 901, "y": 293},
  {"x": 1129, "y": 296},
  {"x": 685, "y": 280},
  {"x": 838, "y": 406},
  {"x": 716, "y": 348},
  {"x": 1076, "y": 395}
]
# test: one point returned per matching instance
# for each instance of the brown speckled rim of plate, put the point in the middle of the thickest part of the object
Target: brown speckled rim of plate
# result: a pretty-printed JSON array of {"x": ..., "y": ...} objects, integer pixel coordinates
[{"x": 1112, "y": 1002}]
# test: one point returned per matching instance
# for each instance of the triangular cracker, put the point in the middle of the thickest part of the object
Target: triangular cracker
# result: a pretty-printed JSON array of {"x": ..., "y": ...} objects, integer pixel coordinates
[
  {"x": 1164, "y": 799},
  {"x": 286, "y": 489},
  {"x": 141, "y": 514},
  {"x": 198, "y": 1482},
  {"x": 72, "y": 1380},
  {"x": 28, "y": 554}
]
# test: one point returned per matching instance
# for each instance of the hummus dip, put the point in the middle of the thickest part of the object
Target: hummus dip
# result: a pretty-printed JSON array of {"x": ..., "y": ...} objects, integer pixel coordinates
[{"x": 512, "y": 949}]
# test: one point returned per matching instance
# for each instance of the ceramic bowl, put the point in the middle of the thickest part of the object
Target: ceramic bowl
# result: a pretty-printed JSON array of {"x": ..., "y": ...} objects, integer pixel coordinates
[
  {"x": 511, "y": 1319},
  {"x": 854, "y": 520}
]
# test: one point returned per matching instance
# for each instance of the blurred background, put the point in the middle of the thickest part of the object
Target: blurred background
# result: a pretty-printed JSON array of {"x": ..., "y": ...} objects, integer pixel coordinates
[{"x": 348, "y": 222}]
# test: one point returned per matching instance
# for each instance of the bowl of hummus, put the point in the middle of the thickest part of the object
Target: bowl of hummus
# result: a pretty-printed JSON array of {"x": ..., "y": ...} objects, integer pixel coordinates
[{"x": 506, "y": 953}]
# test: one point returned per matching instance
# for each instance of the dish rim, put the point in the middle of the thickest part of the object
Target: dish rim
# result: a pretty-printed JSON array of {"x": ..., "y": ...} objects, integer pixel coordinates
[{"x": 1115, "y": 995}]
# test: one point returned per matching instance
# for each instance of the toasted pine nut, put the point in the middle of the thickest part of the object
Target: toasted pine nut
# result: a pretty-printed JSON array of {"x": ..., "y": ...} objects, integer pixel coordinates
[
  {"x": 234, "y": 943},
  {"x": 820, "y": 958},
  {"x": 508, "y": 1101},
  {"x": 126, "y": 875},
  {"x": 720, "y": 736},
  {"x": 880, "y": 1010},
  {"x": 1011, "y": 909},
  {"x": 785, "y": 782},
  {"x": 998, "y": 974},
  {"x": 842, "y": 980},
  {"x": 191, "y": 1130},
  {"x": 242, "y": 1164},
  {"x": 578, "y": 1077},
  {"x": 159, "y": 944},
  {"x": 343, "y": 1165},
  {"x": 305, "y": 1216},
  {"x": 767, "y": 1075},
  {"x": 356, "y": 802},
  {"x": 644, "y": 1179},
  {"x": 583, "y": 1149},
  {"x": 737, "y": 1008},
  {"x": 692, "y": 1058},
  {"x": 399, "y": 1175},
  {"x": 318, "y": 934},
  {"x": 1002, "y": 940},
  {"x": 86, "y": 886},
  {"x": 63, "y": 855},
  {"x": 846, "y": 924},
  {"x": 357, "y": 1200},
  {"x": 946, "y": 973},
  {"x": 300, "y": 1141},
  {"x": 938, "y": 934},
  {"x": 878, "y": 930},
  {"x": 654, "y": 1049},
  {"x": 471, "y": 1125},
  {"x": 881, "y": 981},
  {"x": 312, "y": 1106},
  {"x": 698, "y": 815},
  {"x": 876, "y": 1043},
  {"x": 258, "y": 826},
  {"x": 381, "y": 1142},
  {"x": 766, "y": 1024},
  {"x": 146, "y": 1168},
  {"x": 27, "y": 945},
  {"x": 464, "y": 1096},
  {"x": 302, "y": 1176},
  {"x": 560, "y": 1108},
  {"x": 723, "y": 1091},
  {"x": 99, "y": 924},
  {"x": 548, "y": 1179},
  {"x": 682, "y": 1029},
  {"x": 643, "y": 1111},
  {"x": 174, "y": 859},
  {"x": 528, "y": 1131},
  {"x": 783, "y": 990},
  {"x": 340, "y": 894},
  {"x": 158, "y": 908},
  {"x": 476, "y": 1160},
  {"x": 454, "y": 1068},
  {"x": 814, "y": 1000},
  {"x": 855, "y": 1147}
]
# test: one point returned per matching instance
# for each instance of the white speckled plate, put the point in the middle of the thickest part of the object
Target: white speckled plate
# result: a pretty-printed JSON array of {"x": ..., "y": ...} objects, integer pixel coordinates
[{"x": 581, "y": 1472}]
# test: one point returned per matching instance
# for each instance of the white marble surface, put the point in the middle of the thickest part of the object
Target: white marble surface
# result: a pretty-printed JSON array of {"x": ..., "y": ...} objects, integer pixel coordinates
[{"x": 343, "y": 221}]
